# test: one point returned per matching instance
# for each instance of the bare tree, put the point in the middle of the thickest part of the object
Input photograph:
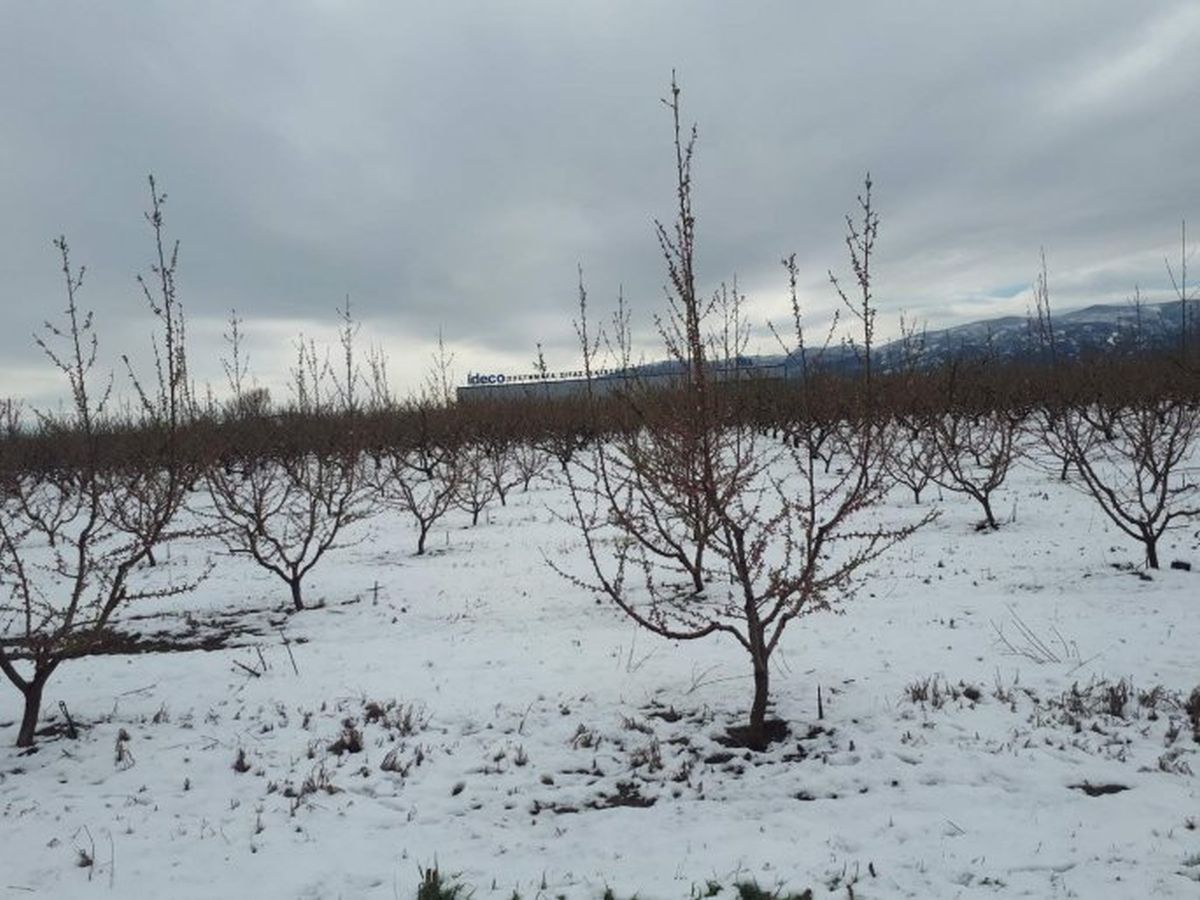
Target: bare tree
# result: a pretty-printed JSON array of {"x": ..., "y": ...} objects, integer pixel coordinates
[
  {"x": 502, "y": 467},
  {"x": 422, "y": 476},
  {"x": 285, "y": 504},
  {"x": 530, "y": 461},
  {"x": 76, "y": 536},
  {"x": 420, "y": 472},
  {"x": 286, "y": 511},
  {"x": 476, "y": 486},
  {"x": 494, "y": 429},
  {"x": 978, "y": 438},
  {"x": 561, "y": 433},
  {"x": 914, "y": 461},
  {"x": 1049, "y": 446},
  {"x": 1131, "y": 457},
  {"x": 977, "y": 451},
  {"x": 692, "y": 525}
]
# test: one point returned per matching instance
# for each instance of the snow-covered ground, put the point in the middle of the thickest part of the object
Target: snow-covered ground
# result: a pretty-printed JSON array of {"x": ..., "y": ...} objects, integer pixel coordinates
[{"x": 519, "y": 733}]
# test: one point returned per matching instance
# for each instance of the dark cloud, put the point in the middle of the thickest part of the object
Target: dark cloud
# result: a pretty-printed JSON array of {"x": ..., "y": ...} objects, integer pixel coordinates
[{"x": 448, "y": 165}]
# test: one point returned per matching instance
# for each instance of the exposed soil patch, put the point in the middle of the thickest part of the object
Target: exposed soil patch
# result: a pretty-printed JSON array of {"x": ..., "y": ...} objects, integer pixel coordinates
[
  {"x": 174, "y": 634},
  {"x": 1099, "y": 790},
  {"x": 739, "y": 735},
  {"x": 627, "y": 794},
  {"x": 666, "y": 714}
]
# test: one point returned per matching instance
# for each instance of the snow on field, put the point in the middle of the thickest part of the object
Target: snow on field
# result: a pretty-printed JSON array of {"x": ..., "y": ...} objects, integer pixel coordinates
[{"x": 471, "y": 708}]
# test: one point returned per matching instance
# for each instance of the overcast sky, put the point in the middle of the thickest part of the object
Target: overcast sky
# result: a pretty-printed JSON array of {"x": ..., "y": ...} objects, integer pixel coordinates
[{"x": 447, "y": 165}]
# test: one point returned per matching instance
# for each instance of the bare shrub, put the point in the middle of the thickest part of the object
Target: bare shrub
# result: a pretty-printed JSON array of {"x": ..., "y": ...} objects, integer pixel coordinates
[{"x": 350, "y": 740}]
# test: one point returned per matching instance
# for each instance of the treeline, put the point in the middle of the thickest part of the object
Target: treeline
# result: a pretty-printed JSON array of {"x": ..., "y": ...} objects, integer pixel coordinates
[{"x": 206, "y": 437}]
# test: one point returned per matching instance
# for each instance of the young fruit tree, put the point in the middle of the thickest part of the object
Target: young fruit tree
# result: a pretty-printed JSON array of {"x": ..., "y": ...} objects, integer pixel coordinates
[
  {"x": 420, "y": 469},
  {"x": 283, "y": 498},
  {"x": 695, "y": 525},
  {"x": 978, "y": 439},
  {"x": 422, "y": 474},
  {"x": 476, "y": 486},
  {"x": 1132, "y": 458},
  {"x": 288, "y": 510},
  {"x": 77, "y": 531},
  {"x": 1130, "y": 434}
]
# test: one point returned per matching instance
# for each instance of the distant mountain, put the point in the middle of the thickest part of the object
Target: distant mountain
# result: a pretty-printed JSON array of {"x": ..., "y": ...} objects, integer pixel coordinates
[
  {"x": 1079, "y": 332},
  {"x": 1076, "y": 333}
]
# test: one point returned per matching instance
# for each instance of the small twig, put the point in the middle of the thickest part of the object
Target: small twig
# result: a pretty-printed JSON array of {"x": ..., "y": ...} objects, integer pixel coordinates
[
  {"x": 1082, "y": 663},
  {"x": 1032, "y": 646},
  {"x": 524, "y": 716},
  {"x": 141, "y": 690},
  {"x": 287, "y": 645},
  {"x": 698, "y": 678},
  {"x": 87, "y": 858},
  {"x": 632, "y": 665},
  {"x": 250, "y": 669},
  {"x": 72, "y": 731}
]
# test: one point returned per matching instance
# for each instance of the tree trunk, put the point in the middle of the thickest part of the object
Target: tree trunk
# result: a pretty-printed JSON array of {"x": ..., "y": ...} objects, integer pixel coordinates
[
  {"x": 33, "y": 707},
  {"x": 297, "y": 600},
  {"x": 1151, "y": 543},
  {"x": 697, "y": 570},
  {"x": 987, "y": 512},
  {"x": 756, "y": 735},
  {"x": 421, "y": 540},
  {"x": 917, "y": 496},
  {"x": 474, "y": 517}
]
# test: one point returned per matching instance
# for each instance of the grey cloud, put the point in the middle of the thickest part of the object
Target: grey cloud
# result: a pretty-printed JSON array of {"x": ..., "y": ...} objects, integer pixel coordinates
[{"x": 447, "y": 165}]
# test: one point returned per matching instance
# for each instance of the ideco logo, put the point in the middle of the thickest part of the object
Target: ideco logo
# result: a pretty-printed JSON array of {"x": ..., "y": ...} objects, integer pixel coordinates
[{"x": 477, "y": 378}]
